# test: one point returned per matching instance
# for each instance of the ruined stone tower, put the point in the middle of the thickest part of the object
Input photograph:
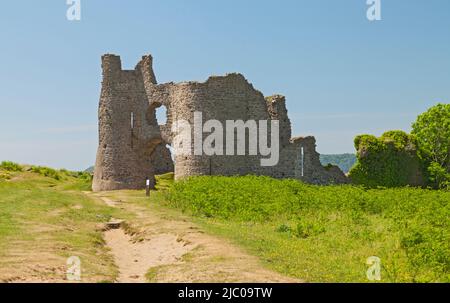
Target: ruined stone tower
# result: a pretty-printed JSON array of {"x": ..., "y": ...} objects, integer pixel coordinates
[{"x": 132, "y": 146}]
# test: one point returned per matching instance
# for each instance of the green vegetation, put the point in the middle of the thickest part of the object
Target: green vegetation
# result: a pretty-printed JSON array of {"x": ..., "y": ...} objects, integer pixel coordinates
[
  {"x": 390, "y": 160},
  {"x": 164, "y": 181},
  {"x": 326, "y": 233},
  {"x": 60, "y": 174},
  {"x": 343, "y": 161},
  {"x": 314, "y": 233},
  {"x": 46, "y": 218},
  {"x": 10, "y": 166},
  {"x": 432, "y": 131},
  {"x": 399, "y": 159},
  {"x": 47, "y": 172}
]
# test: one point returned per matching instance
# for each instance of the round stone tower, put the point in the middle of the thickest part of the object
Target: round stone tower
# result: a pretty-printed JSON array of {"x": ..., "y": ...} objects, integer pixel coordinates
[{"x": 127, "y": 136}]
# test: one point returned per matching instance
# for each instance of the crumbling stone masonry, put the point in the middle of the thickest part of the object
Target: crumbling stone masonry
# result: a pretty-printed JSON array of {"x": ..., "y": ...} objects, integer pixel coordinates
[{"x": 132, "y": 146}]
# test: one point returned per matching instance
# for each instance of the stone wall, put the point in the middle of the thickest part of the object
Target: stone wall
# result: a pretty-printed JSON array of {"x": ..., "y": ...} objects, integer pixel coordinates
[
  {"x": 310, "y": 170},
  {"x": 132, "y": 144}
]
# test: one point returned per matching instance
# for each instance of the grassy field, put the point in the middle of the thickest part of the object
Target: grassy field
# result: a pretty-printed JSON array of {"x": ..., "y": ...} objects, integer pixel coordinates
[
  {"x": 326, "y": 234},
  {"x": 316, "y": 234},
  {"x": 46, "y": 218}
]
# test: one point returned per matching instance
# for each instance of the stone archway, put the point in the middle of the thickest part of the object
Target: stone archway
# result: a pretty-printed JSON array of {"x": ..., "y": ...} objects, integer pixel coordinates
[
  {"x": 161, "y": 159},
  {"x": 160, "y": 155}
]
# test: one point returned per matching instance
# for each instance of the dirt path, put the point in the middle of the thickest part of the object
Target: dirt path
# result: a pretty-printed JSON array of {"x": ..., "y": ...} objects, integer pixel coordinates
[
  {"x": 135, "y": 258},
  {"x": 164, "y": 247}
]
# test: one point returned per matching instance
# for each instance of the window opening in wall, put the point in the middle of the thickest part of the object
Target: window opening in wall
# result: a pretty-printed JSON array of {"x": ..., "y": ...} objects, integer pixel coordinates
[{"x": 161, "y": 115}]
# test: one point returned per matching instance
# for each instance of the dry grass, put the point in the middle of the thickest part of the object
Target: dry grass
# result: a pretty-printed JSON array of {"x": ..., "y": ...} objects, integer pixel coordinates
[{"x": 43, "y": 221}]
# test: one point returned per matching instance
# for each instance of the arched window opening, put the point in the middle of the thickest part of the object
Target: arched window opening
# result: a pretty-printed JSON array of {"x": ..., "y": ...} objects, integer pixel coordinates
[{"x": 161, "y": 115}]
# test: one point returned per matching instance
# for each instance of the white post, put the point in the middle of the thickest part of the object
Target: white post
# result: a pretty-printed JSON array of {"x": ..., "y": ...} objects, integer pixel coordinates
[
  {"x": 147, "y": 186},
  {"x": 303, "y": 161}
]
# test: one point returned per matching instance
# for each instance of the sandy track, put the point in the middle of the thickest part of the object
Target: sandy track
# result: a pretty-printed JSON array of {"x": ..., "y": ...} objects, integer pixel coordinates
[
  {"x": 170, "y": 248},
  {"x": 135, "y": 258}
]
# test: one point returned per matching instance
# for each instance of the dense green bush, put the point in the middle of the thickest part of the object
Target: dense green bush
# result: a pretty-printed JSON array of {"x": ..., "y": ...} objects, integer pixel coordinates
[
  {"x": 389, "y": 161},
  {"x": 10, "y": 166},
  {"x": 432, "y": 131},
  {"x": 439, "y": 177},
  {"x": 47, "y": 172},
  {"x": 417, "y": 219}
]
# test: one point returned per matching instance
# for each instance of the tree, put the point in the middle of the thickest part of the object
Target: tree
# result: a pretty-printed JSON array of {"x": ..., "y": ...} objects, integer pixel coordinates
[{"x": 432, "y": 132}]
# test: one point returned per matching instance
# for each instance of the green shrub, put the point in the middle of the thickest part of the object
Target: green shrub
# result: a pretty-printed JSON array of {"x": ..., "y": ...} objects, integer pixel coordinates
[
  {"x": 389, "y": 161},
  {"x": 307, "y": 229},
  {"x": 432, "y": 131},
  {"x": 283, "y": 228},
  {"x": 439, "y": 176},
  {"x": 83, "y": 175},
  {"x": 47, "y": 172},
  {"x": 61, "y": 174},
  {"x": 10, "y": 166}
]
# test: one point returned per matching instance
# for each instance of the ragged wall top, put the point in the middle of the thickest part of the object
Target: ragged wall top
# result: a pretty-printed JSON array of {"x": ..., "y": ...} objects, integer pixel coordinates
[{"x": 222, "y": 98}]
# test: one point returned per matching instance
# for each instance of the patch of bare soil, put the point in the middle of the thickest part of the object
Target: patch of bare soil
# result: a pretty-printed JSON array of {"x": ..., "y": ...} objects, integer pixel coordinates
[{"x": 134, "y": 257}]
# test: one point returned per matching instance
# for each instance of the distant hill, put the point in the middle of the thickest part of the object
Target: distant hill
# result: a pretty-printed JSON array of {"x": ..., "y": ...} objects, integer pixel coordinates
[
  {"x": 344, "y": 161},
  {"x": 90, "y": 170}
]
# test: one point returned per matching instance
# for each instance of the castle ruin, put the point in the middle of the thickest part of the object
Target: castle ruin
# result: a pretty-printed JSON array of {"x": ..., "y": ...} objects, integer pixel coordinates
[{"x": 133, "y": 146}]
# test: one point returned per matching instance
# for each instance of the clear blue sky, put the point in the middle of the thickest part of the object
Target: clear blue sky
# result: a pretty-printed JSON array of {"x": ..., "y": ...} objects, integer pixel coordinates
[{"x": 342, "y": 75}]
